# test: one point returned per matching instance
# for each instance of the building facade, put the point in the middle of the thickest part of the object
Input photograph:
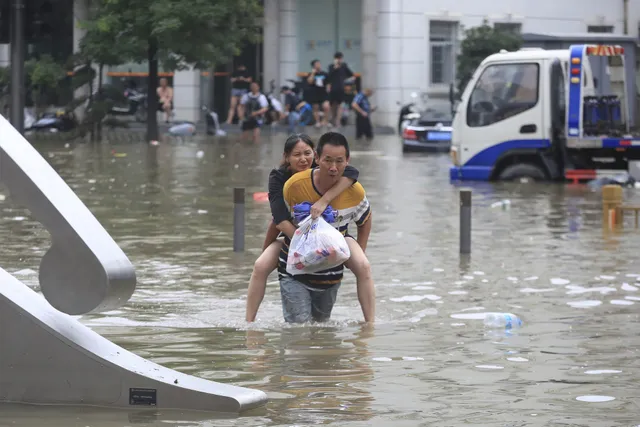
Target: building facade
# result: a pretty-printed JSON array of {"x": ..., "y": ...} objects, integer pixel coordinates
[{"x": 402, "y": 46}]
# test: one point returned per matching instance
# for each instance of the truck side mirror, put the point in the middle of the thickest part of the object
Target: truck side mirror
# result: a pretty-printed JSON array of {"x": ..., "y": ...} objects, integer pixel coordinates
[{"x": 451, "y": 93}]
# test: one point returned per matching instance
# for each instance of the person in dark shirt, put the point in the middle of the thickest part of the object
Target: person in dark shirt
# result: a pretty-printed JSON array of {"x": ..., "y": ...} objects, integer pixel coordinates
[
  {"x": 316, "y": 93},
  {"x": 339, "y": 73},
  {"x": 299, "y": 156},
  {"x": 293, "y": 107},
  {"x": 240, "y": 81},
  {"x": 254, "y": 106},
  {"x": 363, "y": 109}
]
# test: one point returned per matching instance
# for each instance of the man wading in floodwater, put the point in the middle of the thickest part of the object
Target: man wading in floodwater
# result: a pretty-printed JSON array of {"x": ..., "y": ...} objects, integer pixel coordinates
[{"x": 312, "y": 296}]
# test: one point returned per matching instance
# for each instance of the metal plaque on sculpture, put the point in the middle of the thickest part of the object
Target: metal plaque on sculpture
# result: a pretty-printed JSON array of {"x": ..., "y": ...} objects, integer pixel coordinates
[{"x": 143, "y": 396}]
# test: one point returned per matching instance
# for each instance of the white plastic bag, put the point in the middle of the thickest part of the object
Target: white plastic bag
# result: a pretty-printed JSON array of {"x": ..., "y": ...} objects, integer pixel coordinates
[{"x": 316, "y": 246}]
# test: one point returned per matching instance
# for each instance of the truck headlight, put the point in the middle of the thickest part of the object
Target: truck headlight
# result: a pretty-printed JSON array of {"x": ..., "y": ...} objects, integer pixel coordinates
[{"x": 453, "y": 153}]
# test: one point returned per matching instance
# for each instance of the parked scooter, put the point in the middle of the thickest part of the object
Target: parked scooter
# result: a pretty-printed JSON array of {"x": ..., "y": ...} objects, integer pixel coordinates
[
  {"x": 29, "y": 119},
  {"x": 136, "y": 105},
  {"x": 298, "y": 87},
  {"x": 408, "y": 112},
  {"x": 275, "y": 105},
  {"x": 187, "y": 128},
  {"x": 60, "y": 121},
  {"x": 213, "y": 124}
]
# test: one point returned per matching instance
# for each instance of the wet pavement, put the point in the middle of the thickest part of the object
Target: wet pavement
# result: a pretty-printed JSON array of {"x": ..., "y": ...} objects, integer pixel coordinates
[{"x": 429, "y": 360}]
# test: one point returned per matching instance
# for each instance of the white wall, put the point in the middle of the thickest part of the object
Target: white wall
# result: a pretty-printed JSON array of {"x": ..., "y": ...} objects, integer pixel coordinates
[
  {"x": 288, "y": 40},
  {"x": 5, "y": 55},
  {"x": 403, "y": 35}
]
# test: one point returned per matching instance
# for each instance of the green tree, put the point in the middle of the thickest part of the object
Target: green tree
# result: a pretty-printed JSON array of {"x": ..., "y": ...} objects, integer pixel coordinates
[
  {"x": 480, "y": 42},
  {"x": 100, "y": 46},
  {"x": 44, "y": 76},
  {"x": 176, "y": 33}
]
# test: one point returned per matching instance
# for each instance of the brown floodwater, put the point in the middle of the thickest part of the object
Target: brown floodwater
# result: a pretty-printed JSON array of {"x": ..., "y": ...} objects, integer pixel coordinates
[{"x": 429, "y": 360}]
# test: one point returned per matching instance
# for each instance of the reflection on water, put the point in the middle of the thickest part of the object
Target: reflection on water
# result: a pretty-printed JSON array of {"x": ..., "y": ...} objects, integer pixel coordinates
[{"x": 428, "y": 359}]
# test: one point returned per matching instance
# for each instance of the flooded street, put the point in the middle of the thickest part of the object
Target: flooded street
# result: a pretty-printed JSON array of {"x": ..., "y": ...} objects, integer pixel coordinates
[{"x": 429, "y": 360}]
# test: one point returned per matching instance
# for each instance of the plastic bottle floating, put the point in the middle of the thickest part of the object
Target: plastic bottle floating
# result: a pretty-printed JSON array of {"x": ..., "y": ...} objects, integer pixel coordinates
[{"x": 502, "y": 320}]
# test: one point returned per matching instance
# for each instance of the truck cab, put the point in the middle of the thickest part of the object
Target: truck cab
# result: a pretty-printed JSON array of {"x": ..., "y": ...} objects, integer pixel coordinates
[{"x": 526, "y": 114}]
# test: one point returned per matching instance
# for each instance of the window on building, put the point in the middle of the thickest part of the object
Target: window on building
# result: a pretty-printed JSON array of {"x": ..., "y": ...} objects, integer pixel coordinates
[
  {"x": 508, "y": 27},
  {"x": 443, "y": 45},
  {"x": 600, "y": 29},
  {"x": 503, "y": 91}
]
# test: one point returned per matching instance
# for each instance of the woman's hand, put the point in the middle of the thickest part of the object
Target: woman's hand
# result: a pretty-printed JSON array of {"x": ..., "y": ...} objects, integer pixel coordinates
[{"x": 318, "y": 208}]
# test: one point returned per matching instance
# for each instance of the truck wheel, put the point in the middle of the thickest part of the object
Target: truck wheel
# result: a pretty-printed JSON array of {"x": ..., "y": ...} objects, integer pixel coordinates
[{"x": 524, "y": 172}]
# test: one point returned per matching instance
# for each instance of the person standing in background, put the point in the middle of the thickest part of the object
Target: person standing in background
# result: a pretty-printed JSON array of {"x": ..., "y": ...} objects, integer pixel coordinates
[
  {"x": 165, "y": 99},
  {"x": 254, "y": 106},
  {"x": 240, "y": 81},
  {"x": 339, "y": 73},
  {"x": 316, "y": 94},
  {"x": 363, "y": 109}
]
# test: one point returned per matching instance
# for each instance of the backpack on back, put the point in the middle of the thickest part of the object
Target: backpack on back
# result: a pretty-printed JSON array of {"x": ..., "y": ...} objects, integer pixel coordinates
[{"x": 253, "y": 104}]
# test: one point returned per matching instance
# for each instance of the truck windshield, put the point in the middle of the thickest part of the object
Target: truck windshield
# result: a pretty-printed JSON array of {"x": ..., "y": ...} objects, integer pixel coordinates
[{"x": 503, "y": 91}]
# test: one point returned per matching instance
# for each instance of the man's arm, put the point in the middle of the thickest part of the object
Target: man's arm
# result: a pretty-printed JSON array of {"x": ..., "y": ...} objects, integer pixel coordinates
[
  {"x": 312, "y": 75},
  {"x": 362, "y": 217},
  {"x": 360, "y": 111},
  {"x": 363, "y": 234},
  {"x": 356, "y": 106},
  {"x": 260, "y": 111},
  {"x": 321, "y": 205},
  {"x": 348, "y": 71}
]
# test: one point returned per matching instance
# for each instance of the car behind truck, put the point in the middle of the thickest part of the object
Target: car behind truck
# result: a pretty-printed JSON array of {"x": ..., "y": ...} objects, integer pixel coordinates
[{"x": 535, "y": 115}]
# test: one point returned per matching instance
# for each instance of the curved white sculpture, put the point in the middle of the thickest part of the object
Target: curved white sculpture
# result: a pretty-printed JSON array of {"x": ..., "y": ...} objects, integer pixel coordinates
[{"x": 48, "y": 357}]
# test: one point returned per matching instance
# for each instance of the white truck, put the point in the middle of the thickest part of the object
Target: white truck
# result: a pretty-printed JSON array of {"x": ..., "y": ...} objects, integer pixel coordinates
[{"x": 534, "y": 114}]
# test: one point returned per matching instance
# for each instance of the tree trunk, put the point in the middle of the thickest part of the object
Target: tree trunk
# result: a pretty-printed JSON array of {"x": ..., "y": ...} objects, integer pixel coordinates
[
  {"x": 152, "y": 95},
  {"x": 92, "y": 131},
  {"x": 99, "y": 123}
]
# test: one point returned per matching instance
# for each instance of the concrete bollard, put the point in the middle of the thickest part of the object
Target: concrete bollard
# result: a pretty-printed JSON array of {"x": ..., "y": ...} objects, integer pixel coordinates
[
  {"x": 611, "y": 202},
  {"x": 238, "y": 219},
  {"x": 465, "y": 221}
]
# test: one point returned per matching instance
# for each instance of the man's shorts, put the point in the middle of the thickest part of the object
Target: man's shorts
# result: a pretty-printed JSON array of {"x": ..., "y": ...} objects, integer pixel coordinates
[
  {"x": 336, "y": 97},
  {"x": 238, "y": 92},
  {"x": 301, "y": 303},
  {"x": 317, "y": 97},
  {"x": 251, "y": 123}
]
